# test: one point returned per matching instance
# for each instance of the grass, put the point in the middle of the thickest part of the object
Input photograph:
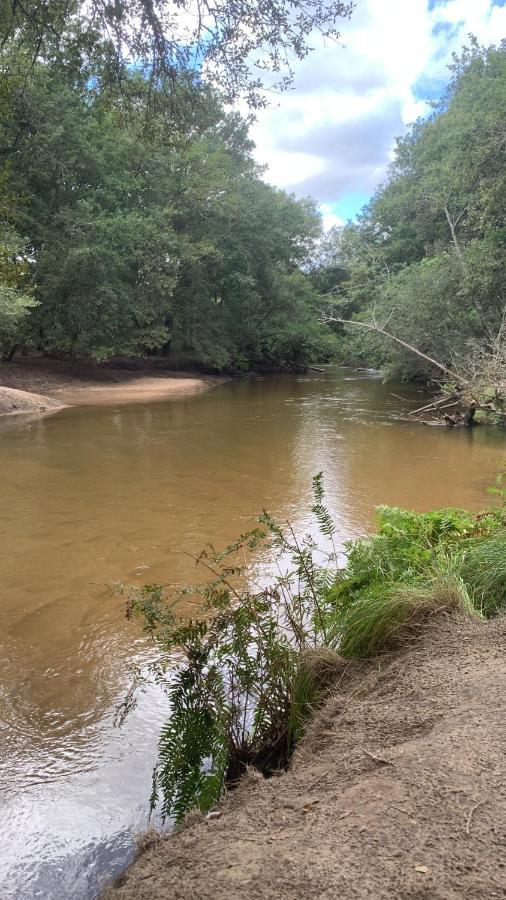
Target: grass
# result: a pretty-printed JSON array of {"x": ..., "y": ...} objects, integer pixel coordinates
[
  {"x": 317, "y": 671},
  {"x": 256, "y": 664},
  {"x": 383, "y": 617},
  {"x": 417, "y": 565},
  {"x": 484, "y": 572}
]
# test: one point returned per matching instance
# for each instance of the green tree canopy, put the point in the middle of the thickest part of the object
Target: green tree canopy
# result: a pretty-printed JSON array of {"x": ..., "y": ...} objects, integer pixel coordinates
[
  {"x": 238, "y": 45},
  {"x": 163, "y": 239},
  {"x": 427, "y": 254}
]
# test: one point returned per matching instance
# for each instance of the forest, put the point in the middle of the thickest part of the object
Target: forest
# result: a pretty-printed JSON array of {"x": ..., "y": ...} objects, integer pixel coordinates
[
  {"x": 423, "y": 269},
  {"x": 120, "y": 242},
  {"x": 133, "y": 217},
  {"x": 134, "y": 221}
]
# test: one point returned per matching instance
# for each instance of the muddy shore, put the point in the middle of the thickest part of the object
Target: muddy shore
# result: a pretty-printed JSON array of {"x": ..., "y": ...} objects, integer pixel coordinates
[
  {"x": 398, "y": 790},
  {"x": 41, "y": 386}
]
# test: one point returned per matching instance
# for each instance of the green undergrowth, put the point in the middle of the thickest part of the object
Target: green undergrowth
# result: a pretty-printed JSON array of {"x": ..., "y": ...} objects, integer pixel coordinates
[
  {"x": 244, "y": 675},
  {"x": 417, "y": 564}
]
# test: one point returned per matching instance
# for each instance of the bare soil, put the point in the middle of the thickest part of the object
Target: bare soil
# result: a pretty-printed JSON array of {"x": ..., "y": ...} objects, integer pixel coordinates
[
  {"x": 398, "y": 790},
  {"x": 58, "y": 384},
  {"x": 14, "y": 402}
]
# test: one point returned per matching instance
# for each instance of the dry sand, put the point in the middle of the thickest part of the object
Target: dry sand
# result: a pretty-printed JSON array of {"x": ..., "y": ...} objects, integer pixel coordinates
[
  {"x": 40, "y": 386},
  {"x": 13, "y": 401},
  {"x": 397, "y": 791}
]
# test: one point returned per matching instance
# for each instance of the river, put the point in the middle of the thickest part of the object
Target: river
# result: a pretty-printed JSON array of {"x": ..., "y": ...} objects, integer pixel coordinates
[{"x": 94, "y": 496}]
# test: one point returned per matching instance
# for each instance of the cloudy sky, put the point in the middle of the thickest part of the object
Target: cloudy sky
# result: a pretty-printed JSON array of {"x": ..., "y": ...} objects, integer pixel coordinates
[{"x": 331, "y": 137}]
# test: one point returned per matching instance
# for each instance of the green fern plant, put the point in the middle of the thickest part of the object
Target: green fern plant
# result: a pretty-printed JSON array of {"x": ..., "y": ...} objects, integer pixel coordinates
[
  {"x": 244, "y": 676},
  {"x": 236, "y": 696}
]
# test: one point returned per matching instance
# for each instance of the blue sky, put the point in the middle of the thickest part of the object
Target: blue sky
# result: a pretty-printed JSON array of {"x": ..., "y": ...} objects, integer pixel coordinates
[{"x": 332, "y": 135}]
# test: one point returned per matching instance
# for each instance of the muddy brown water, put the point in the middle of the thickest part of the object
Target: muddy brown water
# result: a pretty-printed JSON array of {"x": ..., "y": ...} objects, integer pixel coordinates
[{"x": 97, "y": 495}]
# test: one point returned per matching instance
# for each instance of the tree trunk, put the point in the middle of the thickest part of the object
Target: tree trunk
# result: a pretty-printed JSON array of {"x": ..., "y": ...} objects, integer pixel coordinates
[
  {"x": 454, "y": 238},
  {"x": 393, "y": 337},
  {"x": 8, "y": 356}
]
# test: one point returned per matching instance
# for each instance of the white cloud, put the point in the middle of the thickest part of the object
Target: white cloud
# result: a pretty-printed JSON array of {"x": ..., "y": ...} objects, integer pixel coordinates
[
  {"x": 329, "y": 218},
  {"x": 334, "y": 132}
]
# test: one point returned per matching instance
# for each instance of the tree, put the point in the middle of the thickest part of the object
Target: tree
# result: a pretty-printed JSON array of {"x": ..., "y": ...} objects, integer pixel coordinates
[
  {"x": 427, "y": 254},
  {"x": 159, "y": 240},
  {"x": 15, "y": 299},
  {"x": 237, "y": 44}
]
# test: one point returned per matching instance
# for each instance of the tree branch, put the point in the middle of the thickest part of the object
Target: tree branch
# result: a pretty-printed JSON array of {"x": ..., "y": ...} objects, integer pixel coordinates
[
  {"x": 452, "y": 225},
  {"x": 378, "y": 329}
]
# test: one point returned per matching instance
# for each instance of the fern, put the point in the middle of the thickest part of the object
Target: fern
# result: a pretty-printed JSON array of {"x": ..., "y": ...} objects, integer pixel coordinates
[
  {"x": 322, "y": 514},
  {"x": 240, "y": 696},
  {"x": 192, "y": 754},
  {"x": 233, "y": 700}
]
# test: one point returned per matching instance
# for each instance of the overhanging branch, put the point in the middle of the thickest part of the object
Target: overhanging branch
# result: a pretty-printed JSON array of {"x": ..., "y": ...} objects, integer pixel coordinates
[{"x": 379, "y": 329}]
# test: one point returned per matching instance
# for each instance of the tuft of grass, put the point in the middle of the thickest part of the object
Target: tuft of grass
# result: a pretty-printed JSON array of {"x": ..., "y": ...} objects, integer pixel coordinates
[
  {"x": 484, "y": 572},
  {"x": 384, "y": 615},
  {"x": 317, "y": 670}
]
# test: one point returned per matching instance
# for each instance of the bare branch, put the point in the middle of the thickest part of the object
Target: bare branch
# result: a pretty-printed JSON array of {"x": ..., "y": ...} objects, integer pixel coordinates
[
  {"x": 388, "y": 318},
  {"x": 378, "y": 329},
  {"x": 453, "y": 223}
]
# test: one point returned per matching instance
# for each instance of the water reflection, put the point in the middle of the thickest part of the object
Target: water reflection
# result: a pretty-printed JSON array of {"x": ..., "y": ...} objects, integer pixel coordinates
[{"x": 93, "y": 496}]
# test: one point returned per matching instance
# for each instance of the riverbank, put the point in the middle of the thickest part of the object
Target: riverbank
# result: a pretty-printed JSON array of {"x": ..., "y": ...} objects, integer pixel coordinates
[
  {"x": 13, "y": 401},
  {"x": 41, "y": 385},
  {"x": 397, "y": 790}
]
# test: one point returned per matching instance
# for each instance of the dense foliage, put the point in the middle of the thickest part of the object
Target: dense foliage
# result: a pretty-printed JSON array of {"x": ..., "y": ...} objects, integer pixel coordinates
[
  {"x": 256, "y": 662},
  {"x": 426, "y": 258},
  {"x": 15, "y": 299},
  {"x": 252, "y": 667},
  {"x": 132, "y": 216},
  {"x": 141, "y": 239},
  {"x": 415, "y": 565},
  {"x": 241, "y": 46},
  {"x": 123, "y": 233}
]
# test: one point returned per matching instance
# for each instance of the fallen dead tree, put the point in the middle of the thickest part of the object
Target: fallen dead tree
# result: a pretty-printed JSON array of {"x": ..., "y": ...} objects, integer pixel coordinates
[
  {"x": 451, "y": 410},
  {"x": 478, "y": 390}
]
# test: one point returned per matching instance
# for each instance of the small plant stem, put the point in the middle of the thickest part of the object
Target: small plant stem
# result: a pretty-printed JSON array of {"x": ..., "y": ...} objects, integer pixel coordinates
[
  {"x": 309, "y": 582},
  {"x": 218, "y": 575}
]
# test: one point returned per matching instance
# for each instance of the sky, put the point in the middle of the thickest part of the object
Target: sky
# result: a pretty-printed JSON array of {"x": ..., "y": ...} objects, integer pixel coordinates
[{"x": 332, "y": 136}]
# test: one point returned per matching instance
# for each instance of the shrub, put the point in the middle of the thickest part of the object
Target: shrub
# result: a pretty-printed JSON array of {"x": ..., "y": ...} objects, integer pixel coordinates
[
  {"x": 416, "y": 565},
  {"x": 242, "y": 687},
  {"x": 243, "y": 678}
]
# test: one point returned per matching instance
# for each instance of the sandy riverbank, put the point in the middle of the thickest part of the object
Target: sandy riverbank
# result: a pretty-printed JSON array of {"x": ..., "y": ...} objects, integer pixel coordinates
[
  {"x": 13, "y": 401},
  {"x": 397, "y": 791},
  {"x": 40, "y": 386}
]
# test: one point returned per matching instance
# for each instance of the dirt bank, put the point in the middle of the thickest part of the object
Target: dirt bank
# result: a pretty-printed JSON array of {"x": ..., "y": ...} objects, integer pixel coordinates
[
  {"x": 61, "y": 384},
  {"x": 13, "y": 401},
  {"x": 399, "y": 790}
]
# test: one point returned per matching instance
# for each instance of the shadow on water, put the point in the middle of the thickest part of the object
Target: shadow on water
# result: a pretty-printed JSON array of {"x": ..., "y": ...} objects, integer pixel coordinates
[{"x": 94, "y": 496}]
